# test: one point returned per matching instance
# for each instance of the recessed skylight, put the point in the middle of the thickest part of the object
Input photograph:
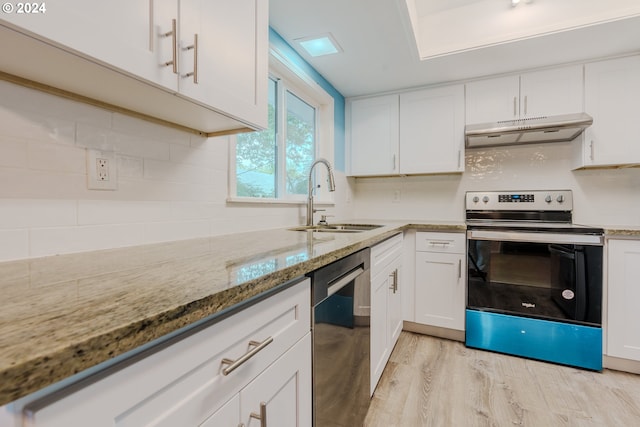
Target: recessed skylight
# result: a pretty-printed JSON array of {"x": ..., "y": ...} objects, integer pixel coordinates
[{"x": 320, "y": 45}]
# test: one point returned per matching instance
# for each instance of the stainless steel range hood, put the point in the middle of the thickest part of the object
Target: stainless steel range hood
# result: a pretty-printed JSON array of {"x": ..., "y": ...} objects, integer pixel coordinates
[{"x": 527, "y": 131}]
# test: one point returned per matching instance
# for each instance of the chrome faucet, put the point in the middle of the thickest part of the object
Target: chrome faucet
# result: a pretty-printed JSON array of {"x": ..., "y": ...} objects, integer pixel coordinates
[{"x": 332, "y": 187}]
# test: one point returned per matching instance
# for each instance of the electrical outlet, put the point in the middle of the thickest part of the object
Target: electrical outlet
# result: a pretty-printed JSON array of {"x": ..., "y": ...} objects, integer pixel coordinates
[
  {"x": 101, "y": 170},
  {"x": 396, "y": 196}
]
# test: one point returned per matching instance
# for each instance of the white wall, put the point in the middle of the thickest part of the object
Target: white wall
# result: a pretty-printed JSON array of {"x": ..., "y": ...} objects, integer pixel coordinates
[
  {"x": 172, "y": 185},
  {"x": 601, "y": 197}
]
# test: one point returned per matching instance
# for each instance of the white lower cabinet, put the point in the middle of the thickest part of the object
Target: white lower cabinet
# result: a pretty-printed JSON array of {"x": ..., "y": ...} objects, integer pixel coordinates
[
  {"x": 623, "y": 316},
  {"x": 386, "y": 303},
  {"x": 440, "y": 280},
  {"x": 185, "y": 384}
]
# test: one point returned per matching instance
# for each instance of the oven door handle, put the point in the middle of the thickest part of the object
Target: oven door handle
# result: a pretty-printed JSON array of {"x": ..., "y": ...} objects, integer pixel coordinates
[{"x": 516, "y": 236}]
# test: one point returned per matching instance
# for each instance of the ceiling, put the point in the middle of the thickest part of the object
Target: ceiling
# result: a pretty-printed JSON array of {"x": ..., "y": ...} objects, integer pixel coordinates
[{"x": 380, "y": 52}]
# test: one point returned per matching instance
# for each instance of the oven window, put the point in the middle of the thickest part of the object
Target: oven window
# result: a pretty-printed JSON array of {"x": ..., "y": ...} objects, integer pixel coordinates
[{"x": 529, "y": 279}]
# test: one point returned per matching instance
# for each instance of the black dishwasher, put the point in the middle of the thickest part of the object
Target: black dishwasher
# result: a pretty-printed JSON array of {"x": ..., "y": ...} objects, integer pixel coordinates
[{"x": 341, "y": 294}]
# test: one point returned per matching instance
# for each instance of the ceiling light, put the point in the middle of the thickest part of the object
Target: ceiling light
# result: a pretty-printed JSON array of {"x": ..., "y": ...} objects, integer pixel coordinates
[
  {"x": 514, "y": 3},
  {"x": 320, "y": 45}
]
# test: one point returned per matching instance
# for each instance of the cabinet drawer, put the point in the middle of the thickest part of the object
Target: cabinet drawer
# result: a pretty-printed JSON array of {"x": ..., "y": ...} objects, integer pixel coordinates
[
  {"x": 183, "y": 384},
  {"x": 441, "y": 242},
  {"x": 385, "y": 252}
]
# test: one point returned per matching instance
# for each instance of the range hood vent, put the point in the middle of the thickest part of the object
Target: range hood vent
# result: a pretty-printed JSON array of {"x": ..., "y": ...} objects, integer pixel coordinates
[{"x": 527, "y": 131}]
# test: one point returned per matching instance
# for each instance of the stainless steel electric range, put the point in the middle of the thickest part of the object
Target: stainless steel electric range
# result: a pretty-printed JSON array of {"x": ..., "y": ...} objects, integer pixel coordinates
[{"x": 534, "y": 284}]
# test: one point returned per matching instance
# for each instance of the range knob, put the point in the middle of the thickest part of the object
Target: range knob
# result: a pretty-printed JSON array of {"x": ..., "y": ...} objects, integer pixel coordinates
[
  {"x": 485, "y": 199},
  {"x": 476, "y": 199},
  {"x": 560, "y": 198},
  {"x": 547, "y": 199}
]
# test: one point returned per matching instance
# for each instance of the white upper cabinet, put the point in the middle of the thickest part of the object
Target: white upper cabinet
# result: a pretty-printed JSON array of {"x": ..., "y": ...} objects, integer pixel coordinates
[
  {"x": 432, "y": 130},
  {"x": 612, "y": 89},
  {"x": 539, "y": 93},
  {"x": 375, "y": 136},
  {"x": 552, "y": 92},
  {"x": 226, "y": 68},
  {"x": 492, "y": 100},
  {"x": 138, "y": 55},
  {"x": 418, "y": 132},
  {"x": 130, "y": 35}
]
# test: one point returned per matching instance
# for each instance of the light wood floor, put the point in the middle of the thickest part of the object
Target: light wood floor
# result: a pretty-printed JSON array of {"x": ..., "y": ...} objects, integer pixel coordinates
[{"x": 436, "y": 382}]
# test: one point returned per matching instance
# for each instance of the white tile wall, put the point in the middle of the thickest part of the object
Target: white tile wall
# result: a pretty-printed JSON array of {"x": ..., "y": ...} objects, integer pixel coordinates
[
  {"x": 172, "y": 185},
  {"x": 606, "y": 197}
]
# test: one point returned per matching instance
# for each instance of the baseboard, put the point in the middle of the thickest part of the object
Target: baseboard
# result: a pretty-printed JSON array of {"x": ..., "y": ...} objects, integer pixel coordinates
[
  {"x": 618, "y": 364},
  {"x": 450, "y": 334}
]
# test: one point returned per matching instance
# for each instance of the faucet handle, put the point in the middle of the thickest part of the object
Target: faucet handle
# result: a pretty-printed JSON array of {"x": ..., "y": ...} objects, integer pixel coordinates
[{"x": 323, "y": 219}]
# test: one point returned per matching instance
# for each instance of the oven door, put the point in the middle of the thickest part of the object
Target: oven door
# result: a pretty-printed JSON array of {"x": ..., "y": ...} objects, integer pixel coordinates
[{"x": 541, "y": 275}]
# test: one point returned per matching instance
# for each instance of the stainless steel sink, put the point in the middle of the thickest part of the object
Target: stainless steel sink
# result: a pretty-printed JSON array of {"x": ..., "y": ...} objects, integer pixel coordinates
[{"x": 337, "y": 228}]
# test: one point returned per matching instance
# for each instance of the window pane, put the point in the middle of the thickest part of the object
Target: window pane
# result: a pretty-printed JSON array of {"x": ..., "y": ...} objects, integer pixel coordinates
[
  {"x": 256, "y": 154},
  {"x": 300, "y": 150}
]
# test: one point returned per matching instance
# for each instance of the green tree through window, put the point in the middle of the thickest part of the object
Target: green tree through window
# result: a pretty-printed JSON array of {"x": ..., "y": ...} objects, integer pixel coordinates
[{"x": 258, "y": 170}]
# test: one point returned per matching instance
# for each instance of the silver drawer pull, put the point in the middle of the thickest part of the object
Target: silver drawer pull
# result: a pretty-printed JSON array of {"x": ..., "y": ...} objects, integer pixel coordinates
[
  {"x": 262, "y": 416},
  {"x": 234, "y": 364},
  {"x": 434, "y": 243}
]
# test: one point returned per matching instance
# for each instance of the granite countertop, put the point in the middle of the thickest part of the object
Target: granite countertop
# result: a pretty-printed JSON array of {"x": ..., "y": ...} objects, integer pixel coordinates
[
  {"x": 64, "y": 314},
  {"x": 622, "y": 231}
]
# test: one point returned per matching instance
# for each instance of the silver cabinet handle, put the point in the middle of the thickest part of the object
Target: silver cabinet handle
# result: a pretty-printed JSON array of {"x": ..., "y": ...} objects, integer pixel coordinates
[
  {"x": 174, "y": 46},
  {"x": 591, "y": 150},
  {"x": 515, "y": 100},
  {"x": 394, "y": 162},
  {"x": 459, "y": 269},
  {"x": 194, "y": 46},
  {"x": 525, "y": 105},
  {"x": 436, "y": 243},
  {"x": 262, "y": 416},
  {"x": 235, "y": 364},
  {"x": 459, "y": 158},
  {"x": 394, "y": 284}
]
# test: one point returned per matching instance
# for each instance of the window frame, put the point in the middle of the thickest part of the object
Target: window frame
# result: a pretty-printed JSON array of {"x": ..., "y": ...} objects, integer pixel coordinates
[{"x": 293, "y": 79}]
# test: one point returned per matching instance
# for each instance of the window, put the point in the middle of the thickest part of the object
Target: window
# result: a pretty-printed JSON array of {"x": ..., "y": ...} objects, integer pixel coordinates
[{"x": 273, "y": 164}]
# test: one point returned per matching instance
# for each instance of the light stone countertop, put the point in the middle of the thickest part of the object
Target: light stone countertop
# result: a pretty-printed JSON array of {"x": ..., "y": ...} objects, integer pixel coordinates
[
  {"x": 64, "y": 314},
  {"x": 622, "y": 231}
]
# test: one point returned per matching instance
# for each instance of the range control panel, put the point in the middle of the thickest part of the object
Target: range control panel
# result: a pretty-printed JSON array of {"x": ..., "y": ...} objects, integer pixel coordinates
[
  {"x": 548, "y": 200},
  {"x": 516, "y": 198}
]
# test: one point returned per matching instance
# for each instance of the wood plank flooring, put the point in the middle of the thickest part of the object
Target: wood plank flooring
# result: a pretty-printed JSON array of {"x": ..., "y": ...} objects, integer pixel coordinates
[{"x": 436, "y": 382}]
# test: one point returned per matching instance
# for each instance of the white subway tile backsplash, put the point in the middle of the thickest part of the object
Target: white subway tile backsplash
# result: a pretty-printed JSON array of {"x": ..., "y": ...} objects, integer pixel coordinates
[
  {"x": 59, "y": 240},
  {"x": 24, "y": 213},
  {"x": 47, "y": 156},
  {"x": 177, "y": 230},
  {"x": 37, "y": 184},
  {"x": 130, "y": 167},
  {"x": 123, "y": 144},
  {"x": 20, "y": 98},
  {"x": 172, "y": 172},
  {"x": 152, "y": 131},
  {"x": 14, "y": 152},
  {"x": 15, "y": 244},
  {"x": 33, "y": 126}
]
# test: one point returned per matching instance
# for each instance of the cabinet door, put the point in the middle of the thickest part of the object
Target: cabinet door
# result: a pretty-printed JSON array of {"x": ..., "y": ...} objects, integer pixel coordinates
[
  {"x": 380, "y": 350},
  {"x": 611, "y": 90},
  {"x": 126, "y": 34},
  {"x": 227, "y": 416},
  {"x": 283, "y": 391},
  {"x": 432, "y": 130},
  {"x": 375, "y": 136},
  {"x": 551, "y": 92},
  {"x": 228, "y": 66},
  {"x": 492, "y": 100},
  {"x": 183, "y": 384},
  {"x": 623, "y": 318},
  {"x": 440, "y": 290}
]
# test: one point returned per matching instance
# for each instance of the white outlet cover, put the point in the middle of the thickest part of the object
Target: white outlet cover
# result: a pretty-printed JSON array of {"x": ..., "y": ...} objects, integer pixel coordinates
[{"x": 94, "y": 182}]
